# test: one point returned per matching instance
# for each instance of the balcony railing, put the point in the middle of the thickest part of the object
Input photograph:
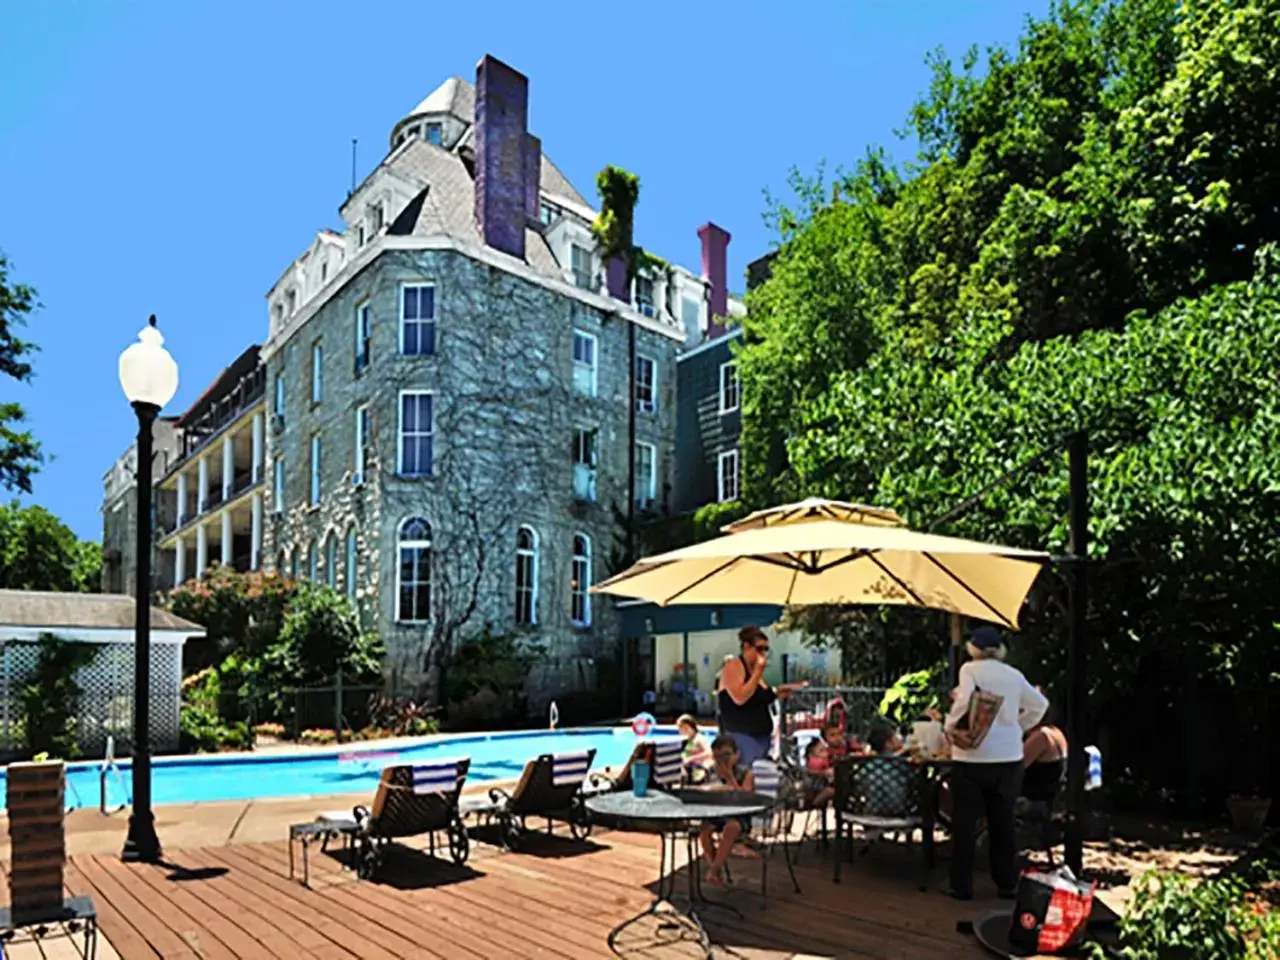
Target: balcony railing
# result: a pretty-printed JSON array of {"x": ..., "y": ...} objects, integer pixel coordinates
[{"x": 245, "y": 394}]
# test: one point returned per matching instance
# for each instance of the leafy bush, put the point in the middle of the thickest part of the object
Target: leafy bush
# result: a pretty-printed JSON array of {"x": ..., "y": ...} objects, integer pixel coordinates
[
  {"x": 1174, "y": 916},
  {"x": 484, "y": 685},
  {"x": 203, "y": 731},
  {"x": 401, "y": 717},
  {"x": 912, "y": 694},
  {"x": 49, "y": 700}
]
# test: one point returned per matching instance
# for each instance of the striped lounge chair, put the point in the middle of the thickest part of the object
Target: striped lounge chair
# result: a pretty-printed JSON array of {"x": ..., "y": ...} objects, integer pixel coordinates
[
  {"x": 411, "y": 800},
  {"x": 551, "y": 787}
]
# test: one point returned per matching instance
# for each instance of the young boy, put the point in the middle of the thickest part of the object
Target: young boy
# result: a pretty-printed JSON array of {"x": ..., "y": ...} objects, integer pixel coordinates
[
  {"x": 888, "y": 787},
  {"x": 728, "y": 775},
  {"x": 820, "y": 784}
]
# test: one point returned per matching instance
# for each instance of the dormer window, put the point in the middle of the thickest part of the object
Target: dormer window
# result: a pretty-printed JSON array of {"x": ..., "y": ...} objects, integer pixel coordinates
[
  {"x": 580, "y": 260},
  {"x": 324, "y": 272},
  {"x": 291, "y": 300},
  {"x": 375, "y": 215},
  {"x": 644, "y": 296},
  {"x": 547, "y": 213},
  {"x": 433, "y": 133},
  {"x": 278, "y": 310},
  {"x": 360, "y": 235}
]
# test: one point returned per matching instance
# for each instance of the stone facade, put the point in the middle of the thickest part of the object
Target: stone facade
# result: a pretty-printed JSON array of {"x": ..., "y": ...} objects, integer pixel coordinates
[
  {"x": 505, "y": 412},
  {"x": 120, "y": 509}
]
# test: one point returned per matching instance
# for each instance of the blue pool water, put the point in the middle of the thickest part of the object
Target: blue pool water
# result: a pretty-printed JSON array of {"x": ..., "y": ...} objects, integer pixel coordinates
[{"x": 350, "y": 769}]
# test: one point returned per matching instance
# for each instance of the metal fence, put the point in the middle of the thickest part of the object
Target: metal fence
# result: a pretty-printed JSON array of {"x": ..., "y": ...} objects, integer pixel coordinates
[
  {"x": 806, "y": 708},
  {"x": 104, "y": 707}
]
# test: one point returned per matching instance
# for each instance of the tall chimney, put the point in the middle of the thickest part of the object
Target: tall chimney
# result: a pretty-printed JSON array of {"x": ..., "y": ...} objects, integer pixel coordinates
[
  {"x": 715, "y": 270},
  {"x": 502, "y": 117},
  {"x": 532, "y": 175}
]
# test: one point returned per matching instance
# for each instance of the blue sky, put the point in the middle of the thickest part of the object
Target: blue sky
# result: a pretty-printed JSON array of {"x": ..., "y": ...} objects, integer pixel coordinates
[{"x": 173, "y": 158}]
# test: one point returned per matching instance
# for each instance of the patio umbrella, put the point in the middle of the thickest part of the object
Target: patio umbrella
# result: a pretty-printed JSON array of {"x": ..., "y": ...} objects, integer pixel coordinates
[{"x": 823, "y": 552}]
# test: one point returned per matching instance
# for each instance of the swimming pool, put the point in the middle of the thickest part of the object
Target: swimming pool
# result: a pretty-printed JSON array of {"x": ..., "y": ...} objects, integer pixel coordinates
[{"x": 354, "y": 768}]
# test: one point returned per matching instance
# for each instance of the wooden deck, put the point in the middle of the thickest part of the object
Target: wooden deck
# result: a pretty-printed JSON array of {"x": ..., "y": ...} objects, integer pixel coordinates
[{"x": 557, "y": 898}]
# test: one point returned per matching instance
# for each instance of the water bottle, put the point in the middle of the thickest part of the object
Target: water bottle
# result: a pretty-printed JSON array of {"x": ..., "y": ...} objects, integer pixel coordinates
[{"x": 640, "y": 778}]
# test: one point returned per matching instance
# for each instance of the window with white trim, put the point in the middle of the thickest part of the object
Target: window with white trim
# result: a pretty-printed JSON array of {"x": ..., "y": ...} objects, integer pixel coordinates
[
  {"x": 360, "y": 465},
  {"x": 413, "y": 572},
  {"x": 277, "y": 485},
  {"x": 331, "y": 561},
  {"x": 644, "y": 296},
  {"x": 730, "y": 387},
  {"x": 580, "y": 261},
  {"x": 585, "y": 379},
  {"x": 317, "y": 372},
  {"x": 317, "y": 448},
  {"x": 690, "y": 314},
  {"x": 727, "y": 476},
  {"x": 312, "y": 560},
  {"x": 350, "y": 572},
  {"x": 279, "y": 401},
  {"x": 579, "y": 597},
  {"x": 360, "y": 235},
  {"x": 418, "y": 319},
  {"x": 433, "y": 133},
  {"x": 585, "y": 459},
  {"x": 646, "y": 475},
  {"x": 364, "y": 331},
  {"x": 646, "y": 384},
  {"x": 376, "y": 217},
  {"x": 526, "y": 576},
  {"x": 417, "y": 434},
  {"x": 291, "y": 299}
]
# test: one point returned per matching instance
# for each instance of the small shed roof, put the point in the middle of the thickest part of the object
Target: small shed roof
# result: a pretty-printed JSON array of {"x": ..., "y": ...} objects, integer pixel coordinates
[{"x": 94, "y": 611}]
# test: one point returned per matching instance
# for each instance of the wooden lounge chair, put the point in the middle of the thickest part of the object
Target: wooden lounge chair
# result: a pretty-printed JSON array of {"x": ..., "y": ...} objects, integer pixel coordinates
[
  {"x": 551, "y": 787},
  {"x": 411, "y": 800}
]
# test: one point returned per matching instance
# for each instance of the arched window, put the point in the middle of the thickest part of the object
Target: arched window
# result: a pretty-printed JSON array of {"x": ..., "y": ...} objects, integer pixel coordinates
[
  {"x": 580, "y": 600},
  {"x": 293, "y": 565},
  {"x": 413, "y": 574},
  {"x": 351, "y": 563},
  {"x": 313, "y": 561},
  {"x": 282, "y": 565},
  {"x": 331, "y": 561},
  {"x": 526, "y": 576}
]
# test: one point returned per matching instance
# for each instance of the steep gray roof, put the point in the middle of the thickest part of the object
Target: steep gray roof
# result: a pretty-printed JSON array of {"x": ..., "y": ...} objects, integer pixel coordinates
[
  {"x": 103, "y": 611},
  {"x": 454, "y": 96},
  {"x": 448, "y": 204}
]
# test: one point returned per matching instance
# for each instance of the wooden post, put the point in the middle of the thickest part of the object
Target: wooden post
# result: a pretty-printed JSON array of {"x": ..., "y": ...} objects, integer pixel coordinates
[{"x": 37, "y": 840}]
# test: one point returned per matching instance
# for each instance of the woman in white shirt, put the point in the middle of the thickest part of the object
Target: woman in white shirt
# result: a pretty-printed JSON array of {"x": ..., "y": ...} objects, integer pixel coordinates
[{"x": 986, "y": 779}]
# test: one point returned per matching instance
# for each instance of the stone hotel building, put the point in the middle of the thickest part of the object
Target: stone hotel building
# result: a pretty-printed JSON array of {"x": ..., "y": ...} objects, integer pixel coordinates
[{"x": 441, "y": 419}]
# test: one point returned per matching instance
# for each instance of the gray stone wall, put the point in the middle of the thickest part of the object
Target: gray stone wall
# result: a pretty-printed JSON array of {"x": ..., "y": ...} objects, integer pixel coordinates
[{"x": 505, "y": 412}]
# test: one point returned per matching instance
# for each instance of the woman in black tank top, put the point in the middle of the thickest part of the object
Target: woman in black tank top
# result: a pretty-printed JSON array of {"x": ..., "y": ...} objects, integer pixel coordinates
[{"x": 745, "y": 698}]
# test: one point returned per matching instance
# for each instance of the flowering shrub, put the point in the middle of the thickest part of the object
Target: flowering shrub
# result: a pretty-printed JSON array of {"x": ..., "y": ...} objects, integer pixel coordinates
[
  {"x": 318, "y": 735},
  {"x": 273, "y": 730}
]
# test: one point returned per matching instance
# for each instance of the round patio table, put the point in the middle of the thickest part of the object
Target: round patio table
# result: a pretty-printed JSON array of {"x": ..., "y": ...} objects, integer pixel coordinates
[{"x": 674, "y": 816}]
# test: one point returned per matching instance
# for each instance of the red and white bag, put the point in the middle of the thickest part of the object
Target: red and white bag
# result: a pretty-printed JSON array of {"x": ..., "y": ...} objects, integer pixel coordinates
[{"x": 1051, "y": 911}]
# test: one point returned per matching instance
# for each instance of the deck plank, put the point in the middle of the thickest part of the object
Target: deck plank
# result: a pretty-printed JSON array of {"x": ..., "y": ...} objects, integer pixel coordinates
[{"x": 555, "y": 898}]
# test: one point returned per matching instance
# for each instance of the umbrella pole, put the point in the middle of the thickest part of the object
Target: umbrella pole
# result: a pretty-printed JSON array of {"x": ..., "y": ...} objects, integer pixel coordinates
[
  {"x": 953, "y": 653},
  {"x": 1077, "y": 687}
]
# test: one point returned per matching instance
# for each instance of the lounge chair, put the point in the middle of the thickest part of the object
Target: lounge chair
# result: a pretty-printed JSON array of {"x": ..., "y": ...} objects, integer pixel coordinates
[
  {"x": 667, "y": 770},
  {"x": 411, "y": 800},
  {"x": 551, "y": 787}
]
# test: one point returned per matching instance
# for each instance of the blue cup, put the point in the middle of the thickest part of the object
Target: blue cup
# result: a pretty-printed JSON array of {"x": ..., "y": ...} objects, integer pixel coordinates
[{"x": 640, "y": 778}]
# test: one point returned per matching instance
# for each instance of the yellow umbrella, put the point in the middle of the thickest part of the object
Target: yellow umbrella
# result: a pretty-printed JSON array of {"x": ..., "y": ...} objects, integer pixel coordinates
[
  {"x": 824, "y": 561},
  {"x": 815, "y": 508}
]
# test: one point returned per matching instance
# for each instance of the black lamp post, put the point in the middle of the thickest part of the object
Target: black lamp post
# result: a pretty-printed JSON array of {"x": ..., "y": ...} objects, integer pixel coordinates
[{"x": 150, "y": 379}]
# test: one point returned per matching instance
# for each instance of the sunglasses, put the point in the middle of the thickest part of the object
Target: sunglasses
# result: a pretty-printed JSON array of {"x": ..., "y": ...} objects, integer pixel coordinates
[{"x": 762, "y": 648}]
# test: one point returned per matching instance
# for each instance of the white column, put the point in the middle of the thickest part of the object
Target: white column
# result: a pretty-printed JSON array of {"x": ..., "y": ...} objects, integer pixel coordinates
[
  {"x": 226, "y": 538},
  {"x": 255, "y": 537},
  {"x": 228, "y": 466},
  {"x": 182, "y": 497},
  {"x": 257, "y": 447},
  {"x": 202, "y": 485},
  {"x": 179, "y": 560},
  {"x": 202, "y": 549}
]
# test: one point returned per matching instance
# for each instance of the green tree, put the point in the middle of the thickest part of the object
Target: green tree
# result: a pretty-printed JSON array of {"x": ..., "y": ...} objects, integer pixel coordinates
[
  {"x": 39, "y": 552},
  {"x": 1081, "y": 242},
  {"x": 19, "y": 452}
]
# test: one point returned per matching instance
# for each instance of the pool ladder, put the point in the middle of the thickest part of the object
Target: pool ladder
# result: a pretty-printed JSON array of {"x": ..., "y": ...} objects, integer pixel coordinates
[{"x": 108, "y": 765}]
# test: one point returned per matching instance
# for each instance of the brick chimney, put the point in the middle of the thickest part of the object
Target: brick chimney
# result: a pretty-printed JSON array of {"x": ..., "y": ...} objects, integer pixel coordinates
[
  {"x": 502, "y": 146},
  {"x": 532, "y": 175},
  {"x": 715, "y": 270}
]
